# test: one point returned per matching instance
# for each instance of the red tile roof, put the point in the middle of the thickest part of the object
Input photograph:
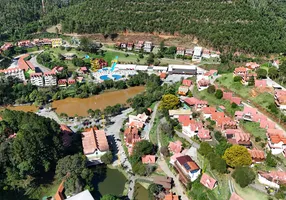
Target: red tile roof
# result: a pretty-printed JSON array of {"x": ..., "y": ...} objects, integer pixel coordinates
[
  {"x": 187, "y": 82},
  {"x": 148, "y": 159},
  {"x": 175, "y": 147},
  {"x": 203, "y": 82},
  {"x": 209, "y": 110},
  {"x": 163, "y": 75},
  {"x": 25, "y": 65},
  {"x": 208, "y": 181},
  {"x": 59, "y": 194},
  {"x": 184, "y": 119},
  {"x": 235, "y": 196},
  {"x": 236, "y": 100},
  {"x": 187, "y": 160},
  {"x": 93, "y": 140},
  {"x": 256, "y": 154},
  {"x": 194, "y": 101},
  {"x": 204, "y": 134},
  {"x": 278, "y": 177},
  {"x": 260, "y": 83},
  {"x": 171, "y": 196},
  {"x": 227, "y": 95}
]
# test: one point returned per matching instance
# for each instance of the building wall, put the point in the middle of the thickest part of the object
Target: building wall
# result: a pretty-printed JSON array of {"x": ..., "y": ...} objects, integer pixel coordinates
[
  {"x": 38, "y": 81},
  {"x": 264, "y": 181},
  {"x": 50, "y": 80}
]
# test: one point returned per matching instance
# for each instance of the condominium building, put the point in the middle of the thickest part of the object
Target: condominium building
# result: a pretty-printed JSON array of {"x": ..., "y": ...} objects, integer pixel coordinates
[
  {"x": 14, "y": 72},
  {"x": 57, "y": 42},
  {"x": 37, "y": 79},
  {"x": 50, "y": 78}
]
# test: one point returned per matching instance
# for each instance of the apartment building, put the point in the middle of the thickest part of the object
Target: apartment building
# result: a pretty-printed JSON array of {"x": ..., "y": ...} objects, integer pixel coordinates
[{"x": 37, "y": 79}]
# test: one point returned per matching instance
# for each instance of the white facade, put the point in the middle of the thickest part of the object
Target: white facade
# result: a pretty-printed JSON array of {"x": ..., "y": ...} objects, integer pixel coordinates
[
  {"x": 276, "y": 148},
  {"x": 37, "y": 80},
  {"x": 188, "y": 132},
  {"x": 14, "y": 72},
  {"x": 50, "y": 80},
  {"x": 197, "y": 56},
  {"x": 264, "y": 181},
  {"x": 147, "y": 46}
]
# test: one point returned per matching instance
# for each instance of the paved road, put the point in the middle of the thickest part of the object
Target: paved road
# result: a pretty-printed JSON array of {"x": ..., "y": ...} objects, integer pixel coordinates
[
  {"x": 193, "y": 143},
  {"x": 49, "y": 114},
  {"x": 150, "y": 125},
  {"x": 114, "y": 130},
  {"x": 43, "y": 69},
  {"x": 178, "y": 188}
]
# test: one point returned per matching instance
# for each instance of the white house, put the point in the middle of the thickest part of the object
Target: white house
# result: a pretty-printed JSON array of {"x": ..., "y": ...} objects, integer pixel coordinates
[
  {"x": 197, "y": 56},
  {"x": 272, "y": 179},
  {"x": 188, "y": 169}
]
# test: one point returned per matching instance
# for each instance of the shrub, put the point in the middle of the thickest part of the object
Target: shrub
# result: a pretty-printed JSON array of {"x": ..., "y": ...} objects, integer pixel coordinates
[
  {"x": 243, "y": 176},
  {"x": 237, "y": 78},
  {"x": 211, "y": 89},
  {"x": 218, "y": 94},
  {"x": 270, "y": 161},
  {"x": 233, "y": 105}
]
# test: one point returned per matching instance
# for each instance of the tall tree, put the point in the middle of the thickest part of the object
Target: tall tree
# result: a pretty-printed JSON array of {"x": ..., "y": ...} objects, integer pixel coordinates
[{"x": 236, "y": 156}]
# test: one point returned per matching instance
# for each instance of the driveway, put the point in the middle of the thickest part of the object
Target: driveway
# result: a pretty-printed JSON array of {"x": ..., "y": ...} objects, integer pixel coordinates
[
  {"x": 193, "y": 143},
  {"x": 42, "y": 68}
]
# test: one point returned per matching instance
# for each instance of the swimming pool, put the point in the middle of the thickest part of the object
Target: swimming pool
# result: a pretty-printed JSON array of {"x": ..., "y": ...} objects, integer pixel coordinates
[
  {"x": 104, "y": 77},
  {"x": 116, "y": 76}
]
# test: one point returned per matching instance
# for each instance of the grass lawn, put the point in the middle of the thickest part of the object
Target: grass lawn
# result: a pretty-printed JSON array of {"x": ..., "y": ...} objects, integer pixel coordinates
[
  {"x": 254, "y": 129},
  {"x": 45, "y": 190},
  {"x": 227, "y": 81},
  {"x": 213, "y": 101},
  {"x": 249, "y": 193},
  {"x": 153, "y": 131},
  {"x": 220, "y": 192}
]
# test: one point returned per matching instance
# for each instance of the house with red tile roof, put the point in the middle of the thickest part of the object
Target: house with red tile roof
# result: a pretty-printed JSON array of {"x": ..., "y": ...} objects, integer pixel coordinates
[
  {"x": 227, "y": 95},
  {"x": 57, "y": 69},
  {"x": 236, "y": 100},
  {"x": 148, "y": 159},
  {"x": 71, "y": 81},
  {"x": 6, "y": 46},
  {"x": 187, "y": 168},
  {"x": 257, "y": 156},
  {"x": 62, "y": 82},
  {"x": 237, "y": 136},
  {"x": 163, "y": 75},
  {"x": 189, "y": 52},
  {"x": 194, "y": 102},
  {"x": 130, "y": 46},
  {"x": 138, "y": 120},
  {"x": 272, "y": 179},
  {"x": 208, "y": 181},
  {"x": 24, "y": 43},
  {"x": 174, "y": 157},
  {"x": 183, "y": 90},
  {"x": 204, "y": 135},
  {"x": 280, "y": 99},
  {"x": 131, "y": 136},
  {"x": 191, "y": 127},
  {"x": 252, "y": 65},
  {"x": 83, "y": 70},
  {"x": 203, "y": 84},
  {"x": 94, "y": 144},
  {"x": 184, "y": 119},
  {"x": 211, "y": 74},
  {"x": 180, "y": 51},
  {"x": 260, "y": 83},
  {"x": 164, "y": 181},
  {"x": 235, "y": 196},
  {"x": 171, "y": 196},
  {"x": 208, "y": 111},
  {"x": 276, "y": 140},
  {"x": 276, "y": 63},
  {"x": 187, "y": 82},
  {"x": 244, "y": 73},
  {"x": 175, "y": 147},
  {"x": 266, "y": 124}
]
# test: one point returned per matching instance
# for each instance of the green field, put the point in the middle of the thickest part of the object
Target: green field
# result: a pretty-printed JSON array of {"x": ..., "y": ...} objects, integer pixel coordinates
[
  {"x": 249, "y": 193},
  {"x": 254, "y": 129},
  {"x": 213, "y": 101}
]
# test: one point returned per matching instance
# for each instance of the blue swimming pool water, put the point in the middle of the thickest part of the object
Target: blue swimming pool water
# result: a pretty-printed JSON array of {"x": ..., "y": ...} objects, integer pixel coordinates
[
  {"x": 105, "y": 68},
  {"x": 116, "y": 76},
  {"x": 104, "y": 77}
]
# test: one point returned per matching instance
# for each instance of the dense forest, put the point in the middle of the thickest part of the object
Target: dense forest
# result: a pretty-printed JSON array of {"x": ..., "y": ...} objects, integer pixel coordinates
[{"x": 251, "y": 25}]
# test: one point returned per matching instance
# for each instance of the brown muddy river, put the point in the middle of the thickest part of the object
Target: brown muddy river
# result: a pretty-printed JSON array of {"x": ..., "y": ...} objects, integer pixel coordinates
[
  {"x": 73, "y": 106},
  {"x": 77, "y": 106}
]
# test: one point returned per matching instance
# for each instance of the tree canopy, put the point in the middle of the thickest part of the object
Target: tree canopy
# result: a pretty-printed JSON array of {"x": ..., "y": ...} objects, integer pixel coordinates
[
  {"x": 236, "y": 156},
  {"x": 168, "y": 102},
  {"x": 31, "y": 152},
  {"x": 73, "y": 170},
  {"x": 243, "y": 176}
]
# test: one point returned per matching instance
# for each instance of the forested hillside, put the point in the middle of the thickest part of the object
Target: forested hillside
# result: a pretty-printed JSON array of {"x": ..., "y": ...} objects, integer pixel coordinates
[{"x": 251, "y": 25}]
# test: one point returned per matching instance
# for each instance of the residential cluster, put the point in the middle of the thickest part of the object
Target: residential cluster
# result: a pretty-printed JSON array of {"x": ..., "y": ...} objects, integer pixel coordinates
[
  {"x": 197, "y": 52},
  {"x": 55, "y": 42}
]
